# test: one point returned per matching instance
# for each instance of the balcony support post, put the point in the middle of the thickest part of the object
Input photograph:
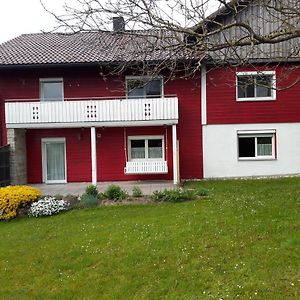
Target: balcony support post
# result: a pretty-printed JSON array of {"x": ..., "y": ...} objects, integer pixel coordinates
[
  {"x": 175, "y": 156},
  {"x": 94, "y": 155}
]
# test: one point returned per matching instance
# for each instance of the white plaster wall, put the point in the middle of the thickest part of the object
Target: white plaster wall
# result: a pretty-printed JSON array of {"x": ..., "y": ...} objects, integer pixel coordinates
[{"x": 220, "y": 151}]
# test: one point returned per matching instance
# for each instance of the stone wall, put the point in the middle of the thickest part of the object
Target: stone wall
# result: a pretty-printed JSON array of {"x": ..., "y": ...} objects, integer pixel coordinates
[{"x": 18, "y": 164}]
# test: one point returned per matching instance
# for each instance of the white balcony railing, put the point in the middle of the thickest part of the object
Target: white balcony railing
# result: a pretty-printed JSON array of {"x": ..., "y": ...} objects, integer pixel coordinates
[
  {"x": 146, "y": 167},
  {"x": 80, "y": 113}
]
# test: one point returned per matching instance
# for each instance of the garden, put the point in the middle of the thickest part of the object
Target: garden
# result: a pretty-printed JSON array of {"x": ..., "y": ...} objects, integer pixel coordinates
[
  {"x": 19, "y": 201},
  {"x": 218, "y": 239}
]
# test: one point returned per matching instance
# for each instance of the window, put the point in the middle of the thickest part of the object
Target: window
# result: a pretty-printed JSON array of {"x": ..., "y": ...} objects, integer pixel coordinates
[
  {"x": 147, "y": 148},
  {"x": 256, "y": 145},
  {"x": 256, "y": 86},
  {"x": 51, "y": 89},
  {"x": 144, "y": 87}
]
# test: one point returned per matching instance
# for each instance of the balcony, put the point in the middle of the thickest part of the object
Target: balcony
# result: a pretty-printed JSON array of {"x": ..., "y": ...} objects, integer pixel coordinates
[{"x": 91, "y": 112}]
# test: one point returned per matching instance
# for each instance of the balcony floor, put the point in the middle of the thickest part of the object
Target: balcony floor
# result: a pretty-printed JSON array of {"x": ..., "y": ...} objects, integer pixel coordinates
[{"x": 77, "y": 188}]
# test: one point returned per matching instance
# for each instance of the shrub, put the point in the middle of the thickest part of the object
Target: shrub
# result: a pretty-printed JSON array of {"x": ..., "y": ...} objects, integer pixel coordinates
[
  {"x": 202, "y": 192},
  {"x": 101, "y": 196},
  {"x": 137, "y": 192},
  {"x": 72, "y": 200},
  {"x": 179, "y": 195},
  {"x": 47, "y": 206},
  {"x": 88, "y": 200},
  {"x": 158, "y": 195},
  {"x": 114, "y": 192},
  {"x": 92, "y": 190},
  {"x": 58, "y": 196},
  {"x": 14, "y": 197}
]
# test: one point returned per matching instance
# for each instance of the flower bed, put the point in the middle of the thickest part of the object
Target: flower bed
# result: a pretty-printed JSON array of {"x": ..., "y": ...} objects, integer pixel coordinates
[
  {"x": 13, "y": 198},
  {"x": 48, "y": 206}
]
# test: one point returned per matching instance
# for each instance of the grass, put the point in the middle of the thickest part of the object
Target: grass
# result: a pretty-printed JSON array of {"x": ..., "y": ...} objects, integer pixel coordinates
[{"x": 242, "y": 242}]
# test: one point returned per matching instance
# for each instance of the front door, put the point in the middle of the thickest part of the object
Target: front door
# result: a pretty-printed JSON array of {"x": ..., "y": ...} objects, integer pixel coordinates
[{"x": 54, "y": 160}]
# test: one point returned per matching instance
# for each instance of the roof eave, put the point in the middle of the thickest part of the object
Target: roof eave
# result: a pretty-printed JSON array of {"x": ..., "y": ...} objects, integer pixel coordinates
[{"x": 88, "y": 64}]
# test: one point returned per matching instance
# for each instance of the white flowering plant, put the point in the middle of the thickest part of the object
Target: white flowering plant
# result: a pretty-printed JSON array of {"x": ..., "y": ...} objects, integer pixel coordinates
[{"x": 47, "y": 206}]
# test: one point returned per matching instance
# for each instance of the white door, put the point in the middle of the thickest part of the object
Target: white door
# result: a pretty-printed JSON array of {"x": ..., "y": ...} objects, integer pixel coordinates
[{"x": 54, "y": 160}]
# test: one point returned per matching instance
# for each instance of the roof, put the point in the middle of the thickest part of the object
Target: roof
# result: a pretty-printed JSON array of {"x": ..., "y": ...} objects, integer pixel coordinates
[{"x": 90, "y": 47}]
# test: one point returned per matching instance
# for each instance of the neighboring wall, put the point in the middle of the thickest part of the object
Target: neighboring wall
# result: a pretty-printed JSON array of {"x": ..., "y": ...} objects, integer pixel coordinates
[
  {"x": 221, "y": 151},
  {"x": 263, "y": 17},
  {"x": 226, "y": 116}
]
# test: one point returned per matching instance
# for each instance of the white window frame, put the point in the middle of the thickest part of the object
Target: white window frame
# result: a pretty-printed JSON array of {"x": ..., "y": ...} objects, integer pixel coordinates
[
  {"x": 257, "y": 73},
  {"x": 146, "y": 138},
  {"x": 257, "y": 134},
  {"x": 144, "y": 78},
  {"x": 44, "y": 158},
  {"x": 51, "y": 79}
]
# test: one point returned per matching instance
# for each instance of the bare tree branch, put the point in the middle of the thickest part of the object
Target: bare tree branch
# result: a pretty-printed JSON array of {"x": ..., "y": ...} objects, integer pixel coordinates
[{"x": 239, "y": 32}]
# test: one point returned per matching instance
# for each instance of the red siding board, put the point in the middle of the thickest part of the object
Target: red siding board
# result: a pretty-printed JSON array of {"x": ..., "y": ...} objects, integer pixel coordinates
[
  {"x": 77, "y": 150},
  {"x": 222, "y": 107},
  {"x": 111, "y": 155},
  {"x": 189, "y": 128},
  {"x": 87, "y": 82}
]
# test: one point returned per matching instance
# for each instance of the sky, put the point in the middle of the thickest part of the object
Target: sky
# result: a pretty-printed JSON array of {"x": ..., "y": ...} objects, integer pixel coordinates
[
  {"x": 28, "y": 16},
  {"x": 25, "y": 16}
]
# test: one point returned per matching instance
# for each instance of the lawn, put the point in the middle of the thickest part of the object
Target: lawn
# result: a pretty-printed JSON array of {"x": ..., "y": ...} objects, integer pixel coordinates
[{"x": 241, "y": 242}]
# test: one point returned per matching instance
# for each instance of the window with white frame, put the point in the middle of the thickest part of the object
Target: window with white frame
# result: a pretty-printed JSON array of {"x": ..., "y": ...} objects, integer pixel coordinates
[
  {"x": 146, "y": 148},
  {"x": 144, "y": 87},
  {"x": 256, "y": 145},
  {"x": 256, "y": 86},
  {"x": 51, "y": 89}
]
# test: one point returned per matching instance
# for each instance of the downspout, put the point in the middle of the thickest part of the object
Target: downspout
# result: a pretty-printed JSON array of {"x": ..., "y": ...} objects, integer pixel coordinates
[{"x": 203, "y": 112}]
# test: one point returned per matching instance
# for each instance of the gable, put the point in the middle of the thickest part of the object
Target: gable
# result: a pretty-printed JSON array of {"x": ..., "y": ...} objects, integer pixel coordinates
[{"x": 251, "y": 30}]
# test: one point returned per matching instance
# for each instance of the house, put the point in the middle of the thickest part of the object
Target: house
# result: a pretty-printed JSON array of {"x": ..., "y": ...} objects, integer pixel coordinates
[{"x": 70, "y": 116}]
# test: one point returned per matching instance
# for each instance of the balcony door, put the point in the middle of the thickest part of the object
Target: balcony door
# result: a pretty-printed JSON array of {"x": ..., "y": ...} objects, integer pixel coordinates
[{"x": 54, "y": 160}]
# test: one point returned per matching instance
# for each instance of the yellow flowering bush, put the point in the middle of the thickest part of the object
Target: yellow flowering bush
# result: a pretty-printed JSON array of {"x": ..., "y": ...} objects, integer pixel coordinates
[{"x": 14, "y": 197}]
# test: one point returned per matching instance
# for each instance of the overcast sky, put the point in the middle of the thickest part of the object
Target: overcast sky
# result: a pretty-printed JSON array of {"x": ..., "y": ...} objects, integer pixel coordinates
[
  {"x": 25, "y": 16},
  {"x": 28, "y": 16}
]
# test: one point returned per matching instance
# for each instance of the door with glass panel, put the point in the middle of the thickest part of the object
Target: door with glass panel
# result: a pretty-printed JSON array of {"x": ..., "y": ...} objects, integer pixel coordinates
[{"x": 54, "y": 160}]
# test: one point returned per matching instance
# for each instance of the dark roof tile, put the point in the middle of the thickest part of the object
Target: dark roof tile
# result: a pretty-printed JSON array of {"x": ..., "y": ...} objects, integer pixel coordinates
[{"x": 90, "y": 47}]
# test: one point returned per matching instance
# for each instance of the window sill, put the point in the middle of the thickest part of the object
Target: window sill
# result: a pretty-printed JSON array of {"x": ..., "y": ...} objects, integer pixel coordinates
[
  {"x": 256, "y": 158},
  {"x": 254, "y": 99}
]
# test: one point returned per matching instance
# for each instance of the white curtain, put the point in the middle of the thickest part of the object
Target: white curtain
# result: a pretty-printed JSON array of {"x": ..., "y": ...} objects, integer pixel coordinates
[
  {"x": 55, "y": 161},
  {"x": 155, "y": 152},
  {"x": 137, "y": 153},
  {"x": 264, "y": 149}
]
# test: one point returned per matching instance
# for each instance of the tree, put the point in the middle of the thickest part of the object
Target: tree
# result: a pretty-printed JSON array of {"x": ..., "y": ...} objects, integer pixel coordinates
[{"x": 236, "y": 33}]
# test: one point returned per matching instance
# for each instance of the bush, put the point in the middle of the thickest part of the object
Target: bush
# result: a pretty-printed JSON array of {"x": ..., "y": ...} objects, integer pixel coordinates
[
  {"x": 58, "y": 196},
  {"x": 137, "y": 192},
  {"x": 158, "y": 195},
  {"x": 88, "y": 200},
  {"x": 13, "y": 198},
  {"x": 101, "y": 196},
  {"x": 114, "y": 192},
  {"x": 72, "y": 200},
  {"x": 47, "y": 206},
  {"x": 202, "y": 192},
  {"x": 179, "y": 195},
  {"x": 92, "y": 190}
]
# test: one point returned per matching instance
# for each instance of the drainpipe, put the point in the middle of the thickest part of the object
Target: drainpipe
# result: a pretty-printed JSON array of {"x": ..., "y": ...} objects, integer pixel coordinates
[
  {"x": 175, "y": 158},
  {"x": 94, "y": 155}
]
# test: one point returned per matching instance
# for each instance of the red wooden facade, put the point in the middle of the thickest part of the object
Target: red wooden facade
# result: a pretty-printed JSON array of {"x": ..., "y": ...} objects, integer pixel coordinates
[
  {"x": 111, "y": 153},
  {"x": 223, "y": 108}
]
